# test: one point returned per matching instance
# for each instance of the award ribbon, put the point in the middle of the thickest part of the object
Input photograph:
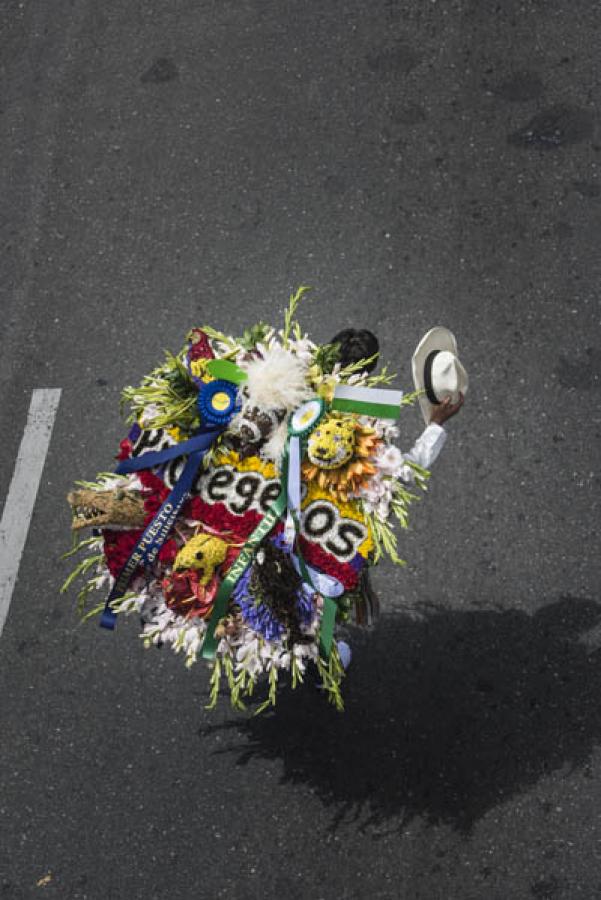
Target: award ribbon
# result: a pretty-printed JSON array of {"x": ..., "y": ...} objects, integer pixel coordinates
[{"x": 302, "y": 422}]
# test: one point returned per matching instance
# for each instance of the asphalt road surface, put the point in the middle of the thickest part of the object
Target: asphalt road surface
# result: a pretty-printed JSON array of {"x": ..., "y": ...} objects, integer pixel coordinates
[{"x": 166, "y": 164}]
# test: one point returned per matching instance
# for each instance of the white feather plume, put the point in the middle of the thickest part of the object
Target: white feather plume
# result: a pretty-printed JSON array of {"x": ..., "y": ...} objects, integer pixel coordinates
[
  {"x": 277, "y": 382},
  {"x": 276, "y": 444}
]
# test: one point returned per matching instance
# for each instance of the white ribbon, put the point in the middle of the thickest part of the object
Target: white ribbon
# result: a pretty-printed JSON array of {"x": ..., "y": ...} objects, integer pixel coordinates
[
  {"x": 323, "y": 584},
  {"x": 293, "y": 488}
]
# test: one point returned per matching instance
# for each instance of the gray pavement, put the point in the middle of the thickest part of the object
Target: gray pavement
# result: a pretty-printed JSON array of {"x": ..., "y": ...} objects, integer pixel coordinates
[{"x": 169, "y": 164}]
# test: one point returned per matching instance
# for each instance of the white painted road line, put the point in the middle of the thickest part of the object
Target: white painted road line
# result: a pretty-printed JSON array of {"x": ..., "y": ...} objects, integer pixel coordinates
[{"x": 23, "y": 490}]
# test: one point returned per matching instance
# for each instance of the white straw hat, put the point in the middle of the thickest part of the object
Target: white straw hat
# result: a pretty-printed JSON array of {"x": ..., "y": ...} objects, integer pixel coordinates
[{"x": 437, "y": 370}]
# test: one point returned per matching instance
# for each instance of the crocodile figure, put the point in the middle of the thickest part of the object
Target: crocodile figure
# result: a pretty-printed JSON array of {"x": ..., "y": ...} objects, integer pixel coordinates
[{"x": 103, "y": 509}]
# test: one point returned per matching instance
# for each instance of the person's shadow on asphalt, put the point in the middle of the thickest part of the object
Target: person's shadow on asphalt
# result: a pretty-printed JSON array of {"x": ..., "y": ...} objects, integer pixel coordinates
[{"x": 446, "y": 716}]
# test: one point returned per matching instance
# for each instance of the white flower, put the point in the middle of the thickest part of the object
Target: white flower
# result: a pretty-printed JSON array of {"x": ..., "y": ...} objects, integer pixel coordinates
[
  {"x": 377, "y": 495},
  {"x": 406, "y": 474},
  {"x": 131, "y": 604},
  {"x": 263, "y": 349},
  {"x": 267, "y": 651},
  {"x": 383, "y": 509},
  {"x": 104, "y": 579},
  {"x": 170, "y": 635},
  {"x": 247, "y": 657},
  {"x": 249, "y": 647},
  {"x": 193, "y": 639},
  {"x": 305, "y": 651},
  {"x": 357, "y": 379},
  {"x": 374, "y": 490},
  {"x": 150, "y": 412},
  {"x": 303, "y": 348},
  {"x": 389, "y": 459}
]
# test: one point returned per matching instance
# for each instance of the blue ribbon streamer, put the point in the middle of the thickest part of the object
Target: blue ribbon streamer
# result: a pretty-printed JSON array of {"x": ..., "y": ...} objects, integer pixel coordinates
[
  {"x": 147, "y": 549},
  {"x": 201, "y": 441}
]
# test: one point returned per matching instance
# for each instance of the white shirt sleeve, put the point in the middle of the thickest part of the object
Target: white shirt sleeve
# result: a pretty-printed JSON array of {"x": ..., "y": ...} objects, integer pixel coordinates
[{"x": 426, "y": 449}]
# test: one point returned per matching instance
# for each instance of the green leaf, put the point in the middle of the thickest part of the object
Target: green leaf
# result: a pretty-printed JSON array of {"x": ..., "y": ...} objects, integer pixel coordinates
[
  {"x": 291, "y": 312},
  {"x": 224, "y": 339},
  {"x": 331, "y": 674},
  {"x": 326, "y": 356},
  {"x": 272, "y": 696},
  {"x": 96, "y": 610},
  {"x": 214, "y": 682},
  {"x": 360, "y": 366},
  {"x": 83, "y": 567},
  {"x": 78, "y": 546},
  {"x": 255, "y": 335}
]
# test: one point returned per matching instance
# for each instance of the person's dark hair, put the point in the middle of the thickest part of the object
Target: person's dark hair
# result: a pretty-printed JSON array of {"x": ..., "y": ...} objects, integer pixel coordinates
[{"x": 357, "y": 344}]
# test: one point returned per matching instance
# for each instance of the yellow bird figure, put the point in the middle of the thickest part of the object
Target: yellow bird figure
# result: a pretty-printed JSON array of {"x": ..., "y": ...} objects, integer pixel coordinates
[{"x": 204, "y": 552}]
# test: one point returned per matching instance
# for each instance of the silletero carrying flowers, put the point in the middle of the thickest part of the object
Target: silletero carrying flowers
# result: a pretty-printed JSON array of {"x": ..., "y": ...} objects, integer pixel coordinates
[{"x": 257, "y": 484}]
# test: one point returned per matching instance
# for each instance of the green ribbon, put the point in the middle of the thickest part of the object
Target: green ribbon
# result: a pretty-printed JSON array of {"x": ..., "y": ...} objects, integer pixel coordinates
[
  {"x": 326, "y": 627},
  {"x": 269, "y": 520},
  {"x": 330, "y": 607},
  {"x": 265, "y": 526},
  {"x": 363, "y": 408}
]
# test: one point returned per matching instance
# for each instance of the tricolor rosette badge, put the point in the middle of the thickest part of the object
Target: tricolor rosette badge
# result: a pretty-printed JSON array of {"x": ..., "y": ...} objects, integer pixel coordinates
[{"x": 257, "y": 484}]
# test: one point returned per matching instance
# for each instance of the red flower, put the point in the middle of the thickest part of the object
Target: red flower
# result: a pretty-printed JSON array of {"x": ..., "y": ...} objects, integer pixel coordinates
[
  {"x": 155, "y": 495},
  {"x": 118, "y": 546},
  {"x": 125, "y": 449},
  {"x": 200, "y": 347},
  {"x": 151, "y": 481},
  {"x": 325, "y": 562},
  {"x": 230, "y": 558},
  {"x": 168, "y": 551},
  {"x": 218, "y": 518},
  {"x": 186, "y": 596}
]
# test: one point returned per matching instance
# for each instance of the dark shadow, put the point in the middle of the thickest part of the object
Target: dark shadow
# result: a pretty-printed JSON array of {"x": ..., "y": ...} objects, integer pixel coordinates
[{"x": 446, "y": 716}]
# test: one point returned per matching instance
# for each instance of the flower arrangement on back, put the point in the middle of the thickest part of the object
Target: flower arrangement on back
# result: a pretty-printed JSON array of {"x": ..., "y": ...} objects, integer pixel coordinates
[{"x": 258, "y": 482}]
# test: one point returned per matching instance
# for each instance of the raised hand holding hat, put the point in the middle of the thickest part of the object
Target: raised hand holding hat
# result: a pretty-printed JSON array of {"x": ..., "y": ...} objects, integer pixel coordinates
[{"x": 438, "y": 372}]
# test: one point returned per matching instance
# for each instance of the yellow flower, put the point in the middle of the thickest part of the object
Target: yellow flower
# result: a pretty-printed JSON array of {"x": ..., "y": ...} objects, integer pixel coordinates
[
  {"x": 326, "y": 389},
  {"x": 349, "y": 509},
  {"x": 250, "y": 464},
  {"x": 198, "y": 368}
]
